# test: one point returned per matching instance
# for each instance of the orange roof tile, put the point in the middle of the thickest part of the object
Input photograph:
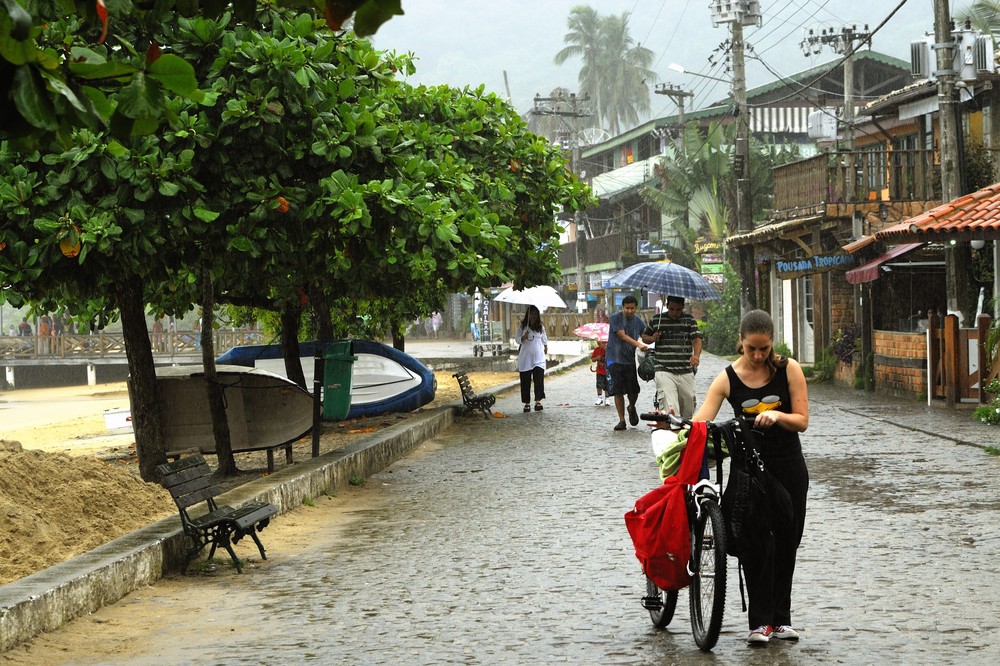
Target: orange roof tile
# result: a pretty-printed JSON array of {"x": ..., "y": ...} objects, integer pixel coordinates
[{"x": 971, "y": 216}]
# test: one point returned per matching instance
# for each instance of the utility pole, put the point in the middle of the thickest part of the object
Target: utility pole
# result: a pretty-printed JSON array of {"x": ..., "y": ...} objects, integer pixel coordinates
[
  {"x": 677, "y": 95},
  {"x": 741, "y": 170},
  {"x": 845, "y": 42},
  {"x": 738, "y": 14},
  {"x": 556, "y": 106},
  {"x": 944, "y": 46}
]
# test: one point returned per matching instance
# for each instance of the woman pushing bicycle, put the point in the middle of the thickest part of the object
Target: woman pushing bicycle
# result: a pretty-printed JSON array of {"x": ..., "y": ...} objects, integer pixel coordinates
[{"x": 771, "y": 390}]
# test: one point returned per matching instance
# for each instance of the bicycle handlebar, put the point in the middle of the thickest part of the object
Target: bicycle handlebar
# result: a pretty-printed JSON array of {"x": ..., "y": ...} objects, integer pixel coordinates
[{"x": 680, "y": 422}]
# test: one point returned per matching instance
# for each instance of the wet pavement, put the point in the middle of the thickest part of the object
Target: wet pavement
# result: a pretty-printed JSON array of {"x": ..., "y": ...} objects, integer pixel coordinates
[{"x": 502, "y": 542}]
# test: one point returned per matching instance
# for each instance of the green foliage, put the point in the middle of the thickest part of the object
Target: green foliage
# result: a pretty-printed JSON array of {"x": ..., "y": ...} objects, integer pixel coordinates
[
  {"x": 696, "y": 191},
  {"x": 723, "y": 326},
  {"x": 782, "y": 349},
  {"x": 978, "y": 165},
  {"x": 864, "y": 374},
  {"x": 116, "y": 55},
  {"x": 990, "y": 413},
  {"x": 825, "y": 365}
]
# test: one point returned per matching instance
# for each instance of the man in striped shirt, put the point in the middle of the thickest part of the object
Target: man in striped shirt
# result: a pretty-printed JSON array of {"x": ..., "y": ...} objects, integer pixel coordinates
[{"x": 677, "y": 354}]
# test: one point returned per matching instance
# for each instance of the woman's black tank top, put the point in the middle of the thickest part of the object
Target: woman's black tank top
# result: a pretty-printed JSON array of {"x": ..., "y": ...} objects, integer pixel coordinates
[{"x": 749, "y": 402}]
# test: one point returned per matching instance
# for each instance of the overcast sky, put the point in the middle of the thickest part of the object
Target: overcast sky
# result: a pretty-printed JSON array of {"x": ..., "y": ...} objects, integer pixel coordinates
[{"x": 472, "y": 42}]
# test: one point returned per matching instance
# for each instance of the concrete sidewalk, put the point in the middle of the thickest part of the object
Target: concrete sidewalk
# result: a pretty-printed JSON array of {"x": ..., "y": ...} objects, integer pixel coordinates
[{"x": 50, "y": 598}]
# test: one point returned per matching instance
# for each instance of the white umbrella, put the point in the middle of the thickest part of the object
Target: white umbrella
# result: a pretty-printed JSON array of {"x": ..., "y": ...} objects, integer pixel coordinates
[{"x": 542, "y": 297}]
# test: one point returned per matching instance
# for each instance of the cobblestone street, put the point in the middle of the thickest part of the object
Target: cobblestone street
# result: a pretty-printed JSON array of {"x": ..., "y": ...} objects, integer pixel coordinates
[{"x": 502, "y": 542}]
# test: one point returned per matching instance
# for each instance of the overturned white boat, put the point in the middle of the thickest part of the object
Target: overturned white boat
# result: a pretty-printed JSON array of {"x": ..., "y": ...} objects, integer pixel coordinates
[{"x": 383, "y": 379}]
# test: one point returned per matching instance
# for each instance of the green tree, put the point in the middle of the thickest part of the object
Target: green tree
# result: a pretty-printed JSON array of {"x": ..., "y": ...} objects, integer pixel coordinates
[
  {"x": 615, "y": 71},
  {"x": 315, "y": 175},
  {"x": 723, "y": 327},
  {"x": 43, "y": 93}
]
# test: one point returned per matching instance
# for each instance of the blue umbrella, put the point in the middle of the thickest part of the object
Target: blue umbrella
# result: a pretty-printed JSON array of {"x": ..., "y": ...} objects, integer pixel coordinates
[{"x": 667, "y": 278}]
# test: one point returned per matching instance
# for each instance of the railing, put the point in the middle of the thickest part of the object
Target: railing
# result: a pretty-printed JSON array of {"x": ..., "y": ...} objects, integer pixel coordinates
[
  {"x": 600, "y": 250},
  {"x": 857, "y": 177},
  {"x": 103, "y": 344},
  {"x": 560, "y": 326}
]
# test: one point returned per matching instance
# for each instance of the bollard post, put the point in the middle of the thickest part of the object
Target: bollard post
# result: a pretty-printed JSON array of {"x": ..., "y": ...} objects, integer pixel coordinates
[{"x": 317, "y": 400}]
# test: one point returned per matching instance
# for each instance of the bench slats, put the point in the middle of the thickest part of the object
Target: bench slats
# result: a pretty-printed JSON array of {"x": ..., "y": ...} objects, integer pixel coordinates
[
  {"x": 251, "y": 514},
  {"x": 189, "y": 481},
  {"x": 471, "y": 399}
]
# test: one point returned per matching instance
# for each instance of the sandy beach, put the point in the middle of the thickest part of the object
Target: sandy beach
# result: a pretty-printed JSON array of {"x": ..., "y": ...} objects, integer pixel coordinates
[{"x": 67, "y": 419}]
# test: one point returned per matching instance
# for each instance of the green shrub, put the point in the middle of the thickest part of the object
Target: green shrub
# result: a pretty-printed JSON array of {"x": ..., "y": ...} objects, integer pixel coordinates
[
  {"x": 722, "y": 329},
  {"x": 990, "y": 413},
  {"x": 825, "y": 365},
  {"x": 782, "y": 349}
]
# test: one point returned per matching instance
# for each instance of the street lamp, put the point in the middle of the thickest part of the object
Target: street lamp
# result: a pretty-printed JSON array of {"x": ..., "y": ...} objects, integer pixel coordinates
[{"x": 677, "y": 68}]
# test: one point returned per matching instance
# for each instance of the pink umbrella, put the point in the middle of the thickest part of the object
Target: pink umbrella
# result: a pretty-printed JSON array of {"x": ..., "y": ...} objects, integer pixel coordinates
[{"x": 592, "y": 332}]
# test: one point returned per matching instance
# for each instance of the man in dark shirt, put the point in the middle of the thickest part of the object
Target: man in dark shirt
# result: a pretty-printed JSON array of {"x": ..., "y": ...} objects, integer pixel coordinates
[
  {"x": 624, "y": 330},
  {"x": 677, "y": 354}
]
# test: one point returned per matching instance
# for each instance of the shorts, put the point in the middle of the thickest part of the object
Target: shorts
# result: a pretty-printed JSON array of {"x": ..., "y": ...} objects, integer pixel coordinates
[
  {"x": 602, "y": 383},
  {"x": 624, "y": 381}
]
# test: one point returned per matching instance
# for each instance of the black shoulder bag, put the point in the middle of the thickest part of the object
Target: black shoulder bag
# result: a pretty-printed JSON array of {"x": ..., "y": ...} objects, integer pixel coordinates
[{"x": 754, "y": 504}]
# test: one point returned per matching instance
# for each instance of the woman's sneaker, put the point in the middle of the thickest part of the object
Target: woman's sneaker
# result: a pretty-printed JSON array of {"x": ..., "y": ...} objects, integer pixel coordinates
[
  {"x": 785, "y": 633},
  {"x": 760, "y": 635}
]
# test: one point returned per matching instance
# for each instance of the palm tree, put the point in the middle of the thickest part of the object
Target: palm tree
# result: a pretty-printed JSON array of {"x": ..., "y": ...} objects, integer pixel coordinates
[
  {"x": 615, "y": 69},
  {"x": 696, "y": 192},
  {"x": 625, "y": 70},
  {"x": 984, "y": 15},
  {"x": 584, "y": 42}
]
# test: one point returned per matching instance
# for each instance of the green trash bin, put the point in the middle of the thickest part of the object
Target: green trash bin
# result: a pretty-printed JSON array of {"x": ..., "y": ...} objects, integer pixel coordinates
[{"x": 338, "y": 364}]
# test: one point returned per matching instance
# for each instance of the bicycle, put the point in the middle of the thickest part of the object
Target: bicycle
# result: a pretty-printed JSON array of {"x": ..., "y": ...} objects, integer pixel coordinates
[{"x": 707, "y": 567}]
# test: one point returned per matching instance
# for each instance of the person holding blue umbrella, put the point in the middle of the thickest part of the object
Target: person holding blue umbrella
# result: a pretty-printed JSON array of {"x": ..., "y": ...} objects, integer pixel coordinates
[{"x": 677, "y": 341}]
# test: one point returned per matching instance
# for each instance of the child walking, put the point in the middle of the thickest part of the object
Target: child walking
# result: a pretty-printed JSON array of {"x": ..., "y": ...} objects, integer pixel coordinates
[{"x": 599, "y": 356}]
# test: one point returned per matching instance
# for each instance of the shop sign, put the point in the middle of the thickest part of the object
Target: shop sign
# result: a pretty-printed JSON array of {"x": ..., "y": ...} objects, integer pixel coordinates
[{"x": 818, "y": 263}]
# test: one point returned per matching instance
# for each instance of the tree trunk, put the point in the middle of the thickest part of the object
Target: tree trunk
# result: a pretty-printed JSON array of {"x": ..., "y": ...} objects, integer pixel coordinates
[
  {"x": 290, "y": 345},
  {"x": 398, "y": 337},
  {"x": 214, "y": 390},
  {"x": 321, "y": 309},
  {"x": 147, "y": 420}
]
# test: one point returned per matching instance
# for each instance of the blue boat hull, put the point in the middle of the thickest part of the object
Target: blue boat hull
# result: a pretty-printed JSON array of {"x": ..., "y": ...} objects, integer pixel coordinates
[{"x": 383, "y": 379}]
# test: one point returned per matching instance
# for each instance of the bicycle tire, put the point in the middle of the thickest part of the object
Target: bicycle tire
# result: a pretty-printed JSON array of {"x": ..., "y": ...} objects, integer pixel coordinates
[
  {"x": 666, "y": 600},
  {"x": 708, "y": 580}
]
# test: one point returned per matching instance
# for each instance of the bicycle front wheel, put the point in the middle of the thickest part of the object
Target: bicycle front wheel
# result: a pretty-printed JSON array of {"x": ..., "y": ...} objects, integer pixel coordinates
[
  {"x": 660, "y": 604},
  {"x": 708, "y": 579}
]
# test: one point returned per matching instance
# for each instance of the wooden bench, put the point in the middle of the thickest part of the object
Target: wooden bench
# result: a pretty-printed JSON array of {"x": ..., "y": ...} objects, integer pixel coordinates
[
  {"x": 176, "y": 455},
  {"x": 190, "y": 484},
  {"x": 473, "y": 400}
]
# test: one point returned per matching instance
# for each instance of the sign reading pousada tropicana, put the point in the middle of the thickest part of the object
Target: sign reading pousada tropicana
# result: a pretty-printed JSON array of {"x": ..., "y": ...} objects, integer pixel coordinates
[{"x": 818, "y": 263}]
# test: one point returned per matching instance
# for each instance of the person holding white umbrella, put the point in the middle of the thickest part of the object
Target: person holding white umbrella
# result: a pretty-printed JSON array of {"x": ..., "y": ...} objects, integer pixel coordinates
[{"x": 531, "y": 357}]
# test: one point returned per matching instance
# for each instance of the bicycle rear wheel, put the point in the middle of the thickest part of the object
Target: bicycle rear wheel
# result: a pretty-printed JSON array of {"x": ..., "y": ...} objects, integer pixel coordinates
[
  {"x": 708, "y": 580},
  {"x": 660, "y": 604}
]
